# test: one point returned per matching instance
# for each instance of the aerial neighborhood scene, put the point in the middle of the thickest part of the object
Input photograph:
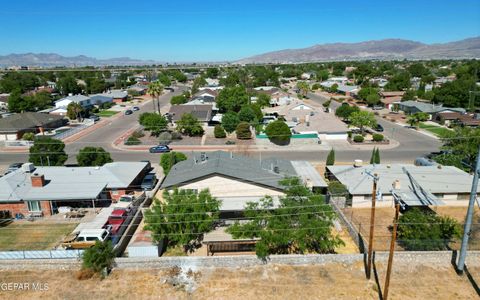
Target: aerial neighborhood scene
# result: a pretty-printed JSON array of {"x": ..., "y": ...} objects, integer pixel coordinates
[{"x": 240, "y": 150}]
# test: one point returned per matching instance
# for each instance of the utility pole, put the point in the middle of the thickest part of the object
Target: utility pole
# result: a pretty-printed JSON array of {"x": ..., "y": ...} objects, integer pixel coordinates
[
  {"x": 392, "y": 250},
  {"x": 468, "y": 220},
  {"x": 372, "y": 225}
]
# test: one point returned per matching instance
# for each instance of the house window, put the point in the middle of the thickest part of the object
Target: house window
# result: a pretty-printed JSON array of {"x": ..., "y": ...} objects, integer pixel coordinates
[
  {"x": 439, "y": 196},
  {"x": 34, "y": 206}
]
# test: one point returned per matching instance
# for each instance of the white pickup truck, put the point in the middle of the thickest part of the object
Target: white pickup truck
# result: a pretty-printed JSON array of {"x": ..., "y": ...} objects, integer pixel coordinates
[{"x": 85, "y": 238}]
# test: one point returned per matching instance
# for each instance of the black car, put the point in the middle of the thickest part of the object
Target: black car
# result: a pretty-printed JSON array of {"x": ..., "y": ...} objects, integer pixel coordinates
[
  {"x": 135, "y": 108},
  {"x": 378, "y": 128},
  {"x": 149, "y": 182},
  {"x": 160, "y": 149},
  {"x": 128, "y": 112}
]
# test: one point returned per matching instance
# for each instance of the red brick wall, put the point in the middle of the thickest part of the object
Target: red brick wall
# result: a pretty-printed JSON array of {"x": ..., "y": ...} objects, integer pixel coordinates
[
  {"x": 115, "y": 195},
  {"x": 22, "y": 208}
]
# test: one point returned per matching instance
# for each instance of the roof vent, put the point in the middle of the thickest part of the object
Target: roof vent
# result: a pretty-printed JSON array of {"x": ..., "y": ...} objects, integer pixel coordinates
[
  {"x": 276, "y": 169},
  {"x": 203, "y": 157},
  {"x": 28, "y": 167},
  {"x": 396, "y": 185}
]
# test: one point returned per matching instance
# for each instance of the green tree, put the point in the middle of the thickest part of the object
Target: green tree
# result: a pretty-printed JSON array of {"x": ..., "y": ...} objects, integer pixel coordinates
[
  {"x": 331, "y": 158},
  {"x": 164, "y": 79},
  {"x": 424, "y": 230},
  {"x": 373, "y": 99},
  {"x": 93, "y": 156},
  {"x": 345, "y": 110},
  {"x": 219, "y": 132},
  {"x": 68, "y": 85},
  {"x": 417, "y": 70},
  {"x": 409, "y": 95},
  {"x": 168, "y": 160},
  {"x": 182, "y": 211},
  {"x": 230, "y": 121},
  {"x": 372, "y": 156},
  {"x": 415, "y": 119},
  {"x": 334, "y": 88},
  {"x": 278, "y": 132},
  {"x": 21, "y": 81},
  {"x": 75, "y": 111},
  {"x": 153, "y": 122},
  {"x": 28, "y": 136},
  {"x": 462, "y": 144},
  {"x": 232, "y": 99},
  {"x": 179, "y": 99},
  {"x": 246, "y": 114},
  {"x": 189, "y": 125},
  {"x": 198, "y": 83},
  {"x": 303, "y": 87},
  {"x": 155, "y": 89},
  {"x": 15, "y": 102},
  {"x": 47, "y": 151},
  {"x": 301, "y": 224},
  {"x": 263, "y": 99},
  {"x": 377, "y": 156},
  {"x": 243, "y": 131},
  {"x": 98, "y": 258},
  {"x": 398, "y": 82},
  {"x": 362, "y": 119}
]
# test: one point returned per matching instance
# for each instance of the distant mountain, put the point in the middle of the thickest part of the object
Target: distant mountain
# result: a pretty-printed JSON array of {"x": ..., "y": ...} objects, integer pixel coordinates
[
  {"x": 381, "y": 49},
  {"x": 56, "y": 60}
]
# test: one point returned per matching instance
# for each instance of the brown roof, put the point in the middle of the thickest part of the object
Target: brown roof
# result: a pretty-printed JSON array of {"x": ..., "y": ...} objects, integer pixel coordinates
[
  {"x": 390, "y": 100},
  {"x": 392, "y": 94},
  {"x": 468, "y": 120},
  {"x": 450, "y": 115},
  {"x": 203, "y": 112}
]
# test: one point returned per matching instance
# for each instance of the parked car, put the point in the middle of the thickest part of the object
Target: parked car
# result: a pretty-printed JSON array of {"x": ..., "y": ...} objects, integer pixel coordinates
[
  {"x": 94, "y": 118},
  {"x": 85, "y": 239},
  {"x": 149, "y": 182},
  {"x": 377, "y": 107},
  {"x": 135, "y": 108},
  {"x": 378, "y": 128},
  {"x": 160, "y": 149},
  {"x": 128, "y": 112}
]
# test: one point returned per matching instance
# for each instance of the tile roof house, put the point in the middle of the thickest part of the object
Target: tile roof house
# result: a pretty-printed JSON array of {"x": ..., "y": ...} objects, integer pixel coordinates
[
  {"x": 236, "y": 179},
  {"x": 14, "y": 126},
  {"x": 43, "y": 189},
  {"x": 202, "y": 112},
  {"x": 447, "y": 184}
]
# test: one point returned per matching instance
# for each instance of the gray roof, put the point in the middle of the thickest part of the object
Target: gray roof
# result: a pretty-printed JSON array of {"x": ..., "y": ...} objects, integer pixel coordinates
[
  {"x": 69, "y": 183},
  {"x": 203, "y": 112},
  {"x": 428, "y": 107},
  {"x": 230, "y": 165},
  {"x": 433, "y": 179},
  {"x": 74, "y": 98},
  {"x": 26, "y": 120},
  {"x": 308, "y": 173},
  {"x": 116, "y": 94}
]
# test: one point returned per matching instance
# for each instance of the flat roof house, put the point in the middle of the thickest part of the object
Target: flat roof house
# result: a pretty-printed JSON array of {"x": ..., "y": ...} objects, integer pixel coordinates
[
  {"x": 41, "y": 190},
  {"x": 14, "y": 126},
  {"x": 418, "y": 184}
]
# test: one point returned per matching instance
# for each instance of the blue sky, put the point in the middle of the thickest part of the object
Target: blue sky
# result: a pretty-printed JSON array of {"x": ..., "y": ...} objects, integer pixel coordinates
[{"x": 211, "y": 30}]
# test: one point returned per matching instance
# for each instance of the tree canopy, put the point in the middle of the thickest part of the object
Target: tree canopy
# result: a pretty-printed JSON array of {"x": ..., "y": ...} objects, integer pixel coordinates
[
  {"x": 232, "y": 99},
  {"x": 93, "y": 156},
  {"x": 345, "y": 110},
  {"x": 301, "y": 224},
  {"x": 362, "y": 119},
  {"x": 278, "y": 132},
  {"x": 168, "y": 160},
  {"x": 47, "y": 151},
  {"x": 153, "y": 122},
  {"x": 189, "y": 125},
  {"x": 230, "y": 121},
  {"x": 182, "y": 218}
]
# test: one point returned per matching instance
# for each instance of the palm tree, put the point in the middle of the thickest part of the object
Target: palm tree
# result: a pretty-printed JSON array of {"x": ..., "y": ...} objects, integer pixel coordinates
[
  {"x": 303, "y": 87},
  {"x": 155, "y": 89}
]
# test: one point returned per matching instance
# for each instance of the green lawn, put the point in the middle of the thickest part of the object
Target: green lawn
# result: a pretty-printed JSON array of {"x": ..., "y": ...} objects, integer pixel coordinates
[
  {"x": 437, "y": 130},
  {"x": 106, "y": 113},
  {"x": 33, "y": 236}
]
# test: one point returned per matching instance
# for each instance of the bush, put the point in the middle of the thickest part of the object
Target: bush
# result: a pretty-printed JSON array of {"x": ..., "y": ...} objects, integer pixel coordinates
[
  {"x": 424, "y": 230},
  {"x": 349, "y": 134},
  {"x": 358, "y": 139},
  {"x": 189, "y": 125},
  {"x": 337, "y": 188},
  {"x": 107, "y": 105},
  {"x": 168, "y": 160},
  {"x": 84, "y": 274},
  {"x": 28, "y": 136},
  {"x": 176, "y": 135},
  {"x": 219, "y": 132},
  {"x": 331, "y": 158},
  {"x": 230, "y": 121},
  {"x": 243, "y": 131},
  {"x": 230, "y": 142},
  {"x": 278, "y": 132},
  {"x": 138, "y": 134},
  {"x": 377, "y": 137},
  {"x": 98, "y": 258},
  {"x": 95, "y": 110},
  {"x": 132, "y": 141}
]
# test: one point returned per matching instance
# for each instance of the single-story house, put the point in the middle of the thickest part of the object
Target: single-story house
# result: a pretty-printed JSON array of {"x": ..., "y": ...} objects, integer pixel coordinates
[
  {"x": 236, "y": 179},
  {"x": 84, "y": 101},
  {"x": 306, "y": 119},
  {"x": 99, "y": 99},
  {"x": 440, "y": 184},
  {"x": 41, "y": 190},
  {"x": 14, "y": 126},
  {"x": 203, "y": 112},
  {"x": 411, "y": 107},
  {"x": 117, "y": 95},
  {"x": 139, "y": 88},
  {"x": 206, "y": 95}
]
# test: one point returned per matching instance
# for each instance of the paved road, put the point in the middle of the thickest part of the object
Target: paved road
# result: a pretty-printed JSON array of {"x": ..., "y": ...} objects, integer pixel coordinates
[{"x": 412, "y": 144}]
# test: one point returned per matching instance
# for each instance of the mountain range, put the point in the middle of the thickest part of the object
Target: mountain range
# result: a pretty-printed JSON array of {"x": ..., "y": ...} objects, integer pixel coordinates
[
  {"x": 57, "y": 60},
  {"x": 378, "y": 49}
]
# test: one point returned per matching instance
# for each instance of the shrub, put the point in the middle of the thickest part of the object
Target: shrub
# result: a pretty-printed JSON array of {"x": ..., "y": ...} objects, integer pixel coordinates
[
  {"x": 95, "y": 110},
  {"x": 98, "y": 258},
  {"x": 358, "y": 139},
  {"x": 243, "y": 131},
  {"x": 84, "y": 274},
  {"x": 107, "y": 105},
  {"x": 28, "y": 136},
  {"x": 377, "y": 137},
  {"x": 349, "y": 134},
  {"x": 331, "y": 158},
  {"x": 168, "y": 160},
  {"x": 278, "y": 132},
  {"x": 132, "y": 141},
  {"x": 219, "y": 132},
  {"x": 138, "y": 134},
  {"x": 176, "y": 135},
  {"x": 337, "y": 188},
  {"x": 230, "y": 121},
  {"x": 230, "y": 142},
  {"x": 189, "y": 125}
]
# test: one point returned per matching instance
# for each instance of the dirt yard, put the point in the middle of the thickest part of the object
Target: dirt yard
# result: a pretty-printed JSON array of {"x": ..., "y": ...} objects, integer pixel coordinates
[{"x": 331, "y": 281}]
